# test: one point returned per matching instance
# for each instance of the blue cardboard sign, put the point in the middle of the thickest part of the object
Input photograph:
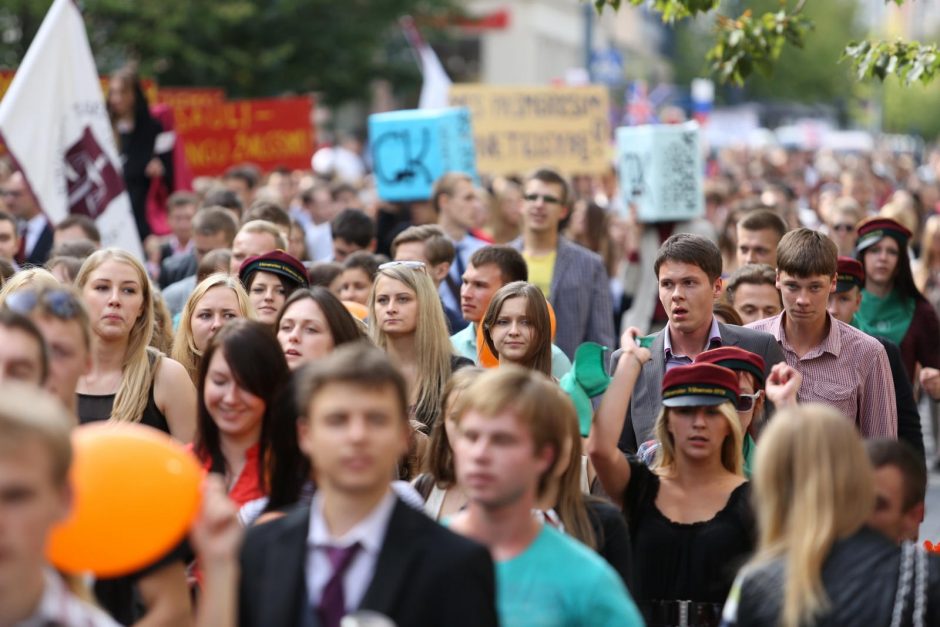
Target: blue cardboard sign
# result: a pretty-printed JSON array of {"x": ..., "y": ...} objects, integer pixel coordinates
[
  {"x": 662, "y": 172},
  {"x": 411, "y": 149}
]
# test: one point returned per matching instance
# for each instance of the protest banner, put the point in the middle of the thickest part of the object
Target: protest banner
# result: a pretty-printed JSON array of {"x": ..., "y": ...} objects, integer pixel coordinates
[
  {"x": 54, "y": 122},
  {"x": 411, "y": 149},
  {"x": 661, "y": 171},
  {"x": 517, "y": 129},
  {"x": 270, "y": 133}
]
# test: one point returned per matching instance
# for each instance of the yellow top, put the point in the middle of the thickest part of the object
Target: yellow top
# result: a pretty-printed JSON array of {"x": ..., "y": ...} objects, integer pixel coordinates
[{"x": 541, "y": 269}]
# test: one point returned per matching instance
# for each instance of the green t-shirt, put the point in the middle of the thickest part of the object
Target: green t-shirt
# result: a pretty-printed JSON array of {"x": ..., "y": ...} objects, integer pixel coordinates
[{"x": 559, "y": 582}]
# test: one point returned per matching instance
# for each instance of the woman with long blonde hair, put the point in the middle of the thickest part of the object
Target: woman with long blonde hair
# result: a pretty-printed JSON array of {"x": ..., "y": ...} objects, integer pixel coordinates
[
  {"x": 128, "y": 381},
  {"x": 689, "y": 514},
  {"x": 818, "y": 563},
  {"x": 218, "y": 299},
  {"x": 406, "y": 320}
]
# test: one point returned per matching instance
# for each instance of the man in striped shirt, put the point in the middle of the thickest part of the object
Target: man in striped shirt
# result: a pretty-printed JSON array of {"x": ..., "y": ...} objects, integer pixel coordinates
[{"x": 841, "y": 366}]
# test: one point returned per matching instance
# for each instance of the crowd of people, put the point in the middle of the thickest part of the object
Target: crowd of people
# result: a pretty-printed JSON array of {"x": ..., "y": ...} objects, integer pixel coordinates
[{"x": 421, "y": 411}]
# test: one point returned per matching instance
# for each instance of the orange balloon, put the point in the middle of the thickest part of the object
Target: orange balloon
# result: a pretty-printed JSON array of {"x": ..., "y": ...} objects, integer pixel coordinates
[
  {"x": 358, "y": 310},
  {"x": 485, "y": 356},
  {"x": 136, "y": 493}
]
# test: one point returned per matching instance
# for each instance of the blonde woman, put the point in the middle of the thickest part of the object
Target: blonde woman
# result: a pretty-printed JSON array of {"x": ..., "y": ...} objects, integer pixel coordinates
[
  {"x": 32, "y": 278},
  {"x": 818, "y": 563},
  {"x": 407, "y": 322},
  {"x": 689, "y": 516},
  {"x": 218, "y": 299},
  {"x": 518, "y": 329},
  {"x": 129, "y": 382}
]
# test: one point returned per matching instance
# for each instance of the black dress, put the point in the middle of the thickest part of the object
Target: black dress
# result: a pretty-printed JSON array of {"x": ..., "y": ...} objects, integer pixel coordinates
[
  {"x": 94, "y": 407},
  {"x": 685, "y": 562}
]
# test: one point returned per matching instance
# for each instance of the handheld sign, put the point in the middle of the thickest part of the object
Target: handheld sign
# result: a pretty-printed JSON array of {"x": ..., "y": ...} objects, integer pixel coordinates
[
  {"x": 661, "y": 171},
  {"x": 411, "y": 149}
]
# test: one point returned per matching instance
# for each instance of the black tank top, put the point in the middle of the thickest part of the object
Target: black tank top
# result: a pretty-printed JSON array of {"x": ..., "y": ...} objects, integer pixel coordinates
[{"x": 96, "y": 407}]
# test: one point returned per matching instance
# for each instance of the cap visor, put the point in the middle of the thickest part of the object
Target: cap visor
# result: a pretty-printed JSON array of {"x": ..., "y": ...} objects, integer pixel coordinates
[{"x": 694, "y": 401}]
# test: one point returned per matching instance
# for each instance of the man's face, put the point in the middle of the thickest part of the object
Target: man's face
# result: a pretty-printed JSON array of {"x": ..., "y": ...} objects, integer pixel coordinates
[
  {"x": 241, "y": 188},
  {"x": 248, "y": 244},
  {"x": 889, "y": 516},
  {"x": 843, "y": 305},
  {"x": 463, "y": 206},
  {"x": 805, "y": 299},
  {"x": 477, "y": 289},
  {"x": 343, "y": 248},
  {"x": 204, "y": 244},
  {"x": 9, "y": 242},
  {"x": 757, "y": 247},
  {"x": 18, "y": 199},
  {"x": 414, "y": 251},
  {"x": 69, "y": 357},
  {"x": 30, "y": 505},
  {"x": 181, "y": 221},
  {"x": 842, "y": 231},
  {"x": 543, "y": 209},
  {"x": 755, "y": 302},
  {"x": 687, "y": 295},
  {"x": 20, "y": 357},
  {"x": 496, "y": 460},
  {"x": 354, "y": 436}
]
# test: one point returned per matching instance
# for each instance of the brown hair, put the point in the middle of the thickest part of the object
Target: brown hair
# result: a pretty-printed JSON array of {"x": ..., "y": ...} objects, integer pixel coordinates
[
  {"x": 212, "y": 220},
  {"x": 511, "y": 263},
  {"x": 446, "y": 185},
  {"x": 539, "y": 356},
  {"x": 763, "y": 220},
  {"x": 692, "y": 249},
  {"x": 552, "y": 177},
  {"x": 899, "y": 454},
  {"x": 727, "y": 314},
  {"x": 357, "y": 363},
  {"x": 804, "y": 253},
  {"x": 750, "y": 274},
  {"x": 437, "y": 248},
  {"x": 440, "y": 454}
]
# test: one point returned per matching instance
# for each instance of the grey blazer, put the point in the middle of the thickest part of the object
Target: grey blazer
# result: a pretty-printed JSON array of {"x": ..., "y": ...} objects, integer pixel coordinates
[
  {"x": 580, "y": 296},
  {"x": 646, "y": 401}
]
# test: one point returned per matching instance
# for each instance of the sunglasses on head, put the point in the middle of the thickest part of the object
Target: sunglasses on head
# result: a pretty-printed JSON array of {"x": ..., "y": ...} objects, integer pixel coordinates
[
  {"x": 746, "y": 402},
  {"x": 548, "y": 200},
  {"x": 413, "y": 265},
  {"x": 60, "y": 303}
]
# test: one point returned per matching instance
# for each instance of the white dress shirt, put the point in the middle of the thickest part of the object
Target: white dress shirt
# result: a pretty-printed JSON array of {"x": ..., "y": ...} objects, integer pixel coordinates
[
  {"x": 60, "y": 607},
  {"x": 368, "y": 532},
  {"x": 34, "y": 228}
]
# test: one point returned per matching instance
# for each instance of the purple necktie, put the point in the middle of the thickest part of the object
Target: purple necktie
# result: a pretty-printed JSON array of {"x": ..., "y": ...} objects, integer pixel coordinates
[{"x": 333, "y": 599}]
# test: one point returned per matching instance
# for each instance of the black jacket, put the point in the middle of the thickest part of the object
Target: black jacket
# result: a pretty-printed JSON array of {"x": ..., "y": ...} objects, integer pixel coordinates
[
  {"x": 860, "y": 577},
  {"x": 425, "y": 576}
]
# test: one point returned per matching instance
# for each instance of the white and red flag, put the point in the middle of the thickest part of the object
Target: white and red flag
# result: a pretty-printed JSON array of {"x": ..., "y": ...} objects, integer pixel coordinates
[
  {"x": 436, "y": 85},
  {"x": 54, "y": 123}
]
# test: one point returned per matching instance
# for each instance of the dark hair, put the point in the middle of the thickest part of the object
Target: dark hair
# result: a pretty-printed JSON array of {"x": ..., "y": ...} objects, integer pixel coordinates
[
  {"x": 354, "y": 226},
  {"x": 539, "y": 355},
  {"x": 258, "y": 365},
  {"x": 211, "y": 262},
  {"x": 342, "y": 187},
  {"x": 356, "y": 363},
  {"x": 213, "y": 220},
  {"x": 691, "y": 249},
  {"x": 900, "y": 454},
  {"x": 727, "y": 313},
  {"x": 142, "y": 118},
  {"x": 10, "y": 319},
  {"x": 548, "y": 175},
  {"x": 181, "y": 199},
  {"x": 511, "y": 263},
  {"x": 72, "y": 265},
  {"x": 440, "y": 462},
  {"x": 247, "y": 173},
  {"x": 79, "y": 248},
  {"x": 324, "y": 272},
  {"x": 86, "y": 224},
  {"x": 763, "y": 220},
  {"x": 343, "y": 327},
  {"x": 750, "y": 274},
  {"x": 362, "y": 260},
  {"x": 268, "y": 211},
  {"x": 805, "y": 253},
  {"x": 289, "y": 286},
  {"x": 223, "y": 197}
]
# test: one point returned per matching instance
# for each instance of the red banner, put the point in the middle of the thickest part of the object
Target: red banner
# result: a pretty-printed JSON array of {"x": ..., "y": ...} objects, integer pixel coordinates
[
  {"x": 270, "y": 133},
  {"x": 190, "y": 96}
]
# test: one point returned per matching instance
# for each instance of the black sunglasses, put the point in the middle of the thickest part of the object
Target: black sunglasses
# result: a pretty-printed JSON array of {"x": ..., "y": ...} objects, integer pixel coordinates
[{"x": 549, "y": 200}]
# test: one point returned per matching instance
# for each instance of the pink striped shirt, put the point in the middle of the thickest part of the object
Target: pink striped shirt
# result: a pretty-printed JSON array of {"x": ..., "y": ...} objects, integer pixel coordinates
[{"x": 848, "y": 371}]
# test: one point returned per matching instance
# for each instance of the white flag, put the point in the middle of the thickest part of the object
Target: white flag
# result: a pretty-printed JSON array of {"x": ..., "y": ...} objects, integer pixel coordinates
[
  {"x": 436, "y": 85},
  {"x": 55, "y": 125}
]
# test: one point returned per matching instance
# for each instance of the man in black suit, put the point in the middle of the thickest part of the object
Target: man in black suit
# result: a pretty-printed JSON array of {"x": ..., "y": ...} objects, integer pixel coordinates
[
  {"x": 36, "y": 234},
  {"x": 357, "y": 547}
]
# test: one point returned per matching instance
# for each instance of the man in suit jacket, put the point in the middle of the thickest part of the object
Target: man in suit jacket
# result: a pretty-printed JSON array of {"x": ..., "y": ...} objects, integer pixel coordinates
[
  {"x": 36, "y": 234},
  {"x": 688, "y": 269},
  {"x": 572, "y": 277},
  {"x": 357, "y": 547}
]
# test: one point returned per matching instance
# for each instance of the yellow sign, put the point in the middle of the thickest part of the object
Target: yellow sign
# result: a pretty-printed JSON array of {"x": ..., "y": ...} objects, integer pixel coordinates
[{"x": 517, "y": 129}]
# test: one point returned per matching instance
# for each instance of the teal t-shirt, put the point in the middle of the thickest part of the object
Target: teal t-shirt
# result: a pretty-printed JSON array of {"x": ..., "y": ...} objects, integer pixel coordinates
[{"x": 559, "y": 582}]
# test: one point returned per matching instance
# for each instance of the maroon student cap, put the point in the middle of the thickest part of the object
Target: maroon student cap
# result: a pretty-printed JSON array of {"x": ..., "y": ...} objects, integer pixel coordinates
[
  {"x": 700, "y": 385},
  {"x": 276, "y": 262},
  {"x": 872, "y": 230},
  {"x": 850, "y": 274},
  {"x": 737, "y": 359}
]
